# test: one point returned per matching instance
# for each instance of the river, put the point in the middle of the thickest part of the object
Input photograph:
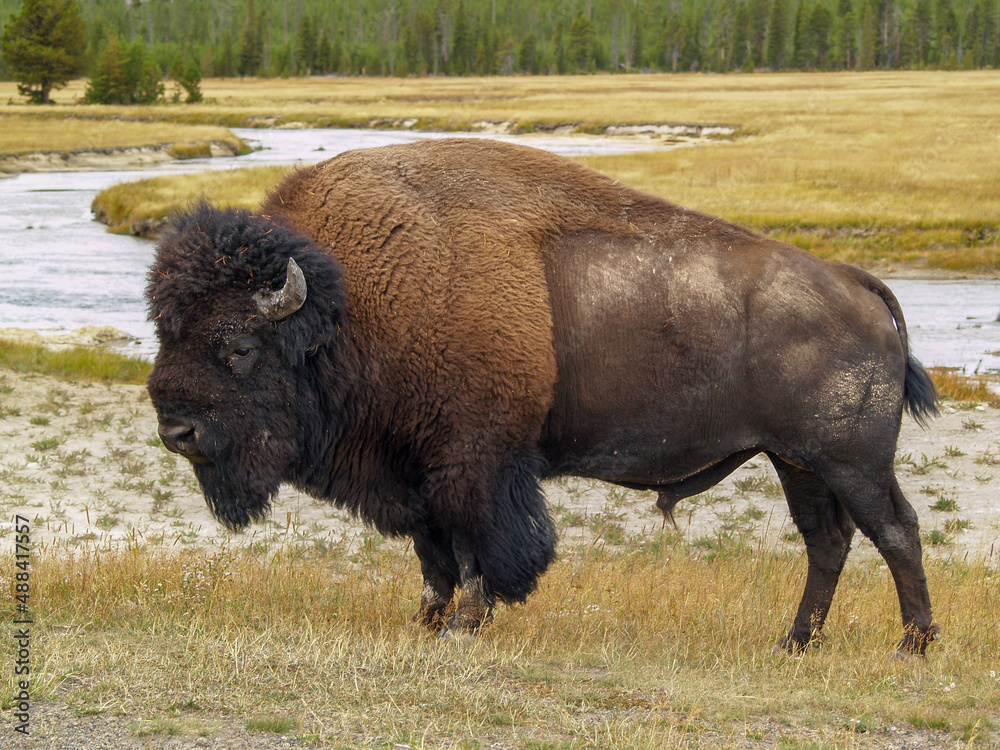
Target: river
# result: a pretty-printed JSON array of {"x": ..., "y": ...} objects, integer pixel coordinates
[{"x": 60, "y": 269}]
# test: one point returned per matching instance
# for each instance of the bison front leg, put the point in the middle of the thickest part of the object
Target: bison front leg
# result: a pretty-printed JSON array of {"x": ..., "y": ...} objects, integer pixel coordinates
[
  {"x": 474, "y": 609},
  {"x": 440, "y": 572}
]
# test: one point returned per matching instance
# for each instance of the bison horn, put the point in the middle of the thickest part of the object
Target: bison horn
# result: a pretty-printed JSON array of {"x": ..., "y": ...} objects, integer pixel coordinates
[{"x": 279, "y": 305}]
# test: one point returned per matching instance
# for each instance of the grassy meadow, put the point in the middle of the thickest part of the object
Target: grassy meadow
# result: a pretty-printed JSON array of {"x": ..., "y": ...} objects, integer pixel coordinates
[
  {"x": 631, "y": 641},
  {"x": 31, "y": 133},
  {"x": 652, "y": 645},
  {"x": 88, "y": 363},
  {"x": 126, "y": 206},
  {"x": 635, "y": 639},
  {"x": 878, "y": 169}
]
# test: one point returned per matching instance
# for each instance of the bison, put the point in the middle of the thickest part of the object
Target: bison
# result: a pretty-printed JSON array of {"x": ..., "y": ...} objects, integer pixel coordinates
[{"x": 421, "y": 333}]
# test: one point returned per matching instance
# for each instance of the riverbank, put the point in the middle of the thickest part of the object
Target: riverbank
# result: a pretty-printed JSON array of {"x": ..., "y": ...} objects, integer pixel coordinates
[
  {"x": 142, "y": 208},
  {"x": 872, "y": 168},
  {"x": 108, "y": 159},
  {"x": 58, "y": 143}
]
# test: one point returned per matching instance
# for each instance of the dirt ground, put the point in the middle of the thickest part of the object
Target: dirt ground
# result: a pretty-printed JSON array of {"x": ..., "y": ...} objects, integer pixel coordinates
[{"x": 82, "y": 461}]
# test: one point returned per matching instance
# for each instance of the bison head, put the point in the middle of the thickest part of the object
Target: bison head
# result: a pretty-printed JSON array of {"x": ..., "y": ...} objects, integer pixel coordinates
[{"x": 250, "y": 317}]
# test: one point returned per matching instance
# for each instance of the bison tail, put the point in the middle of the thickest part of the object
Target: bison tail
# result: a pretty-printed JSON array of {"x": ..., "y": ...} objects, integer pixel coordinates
[
  {"x": 919, "y": 392},
  {"x": 519, "y": 541}
]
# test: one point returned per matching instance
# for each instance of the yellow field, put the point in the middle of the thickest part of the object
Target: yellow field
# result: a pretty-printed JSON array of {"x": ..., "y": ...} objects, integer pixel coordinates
[
  {"x": 24, "y": 133},
  {"x": 122, "y": 206},
  {"x": 649, "y": 647},
  {"x": 867, "y": 167}
]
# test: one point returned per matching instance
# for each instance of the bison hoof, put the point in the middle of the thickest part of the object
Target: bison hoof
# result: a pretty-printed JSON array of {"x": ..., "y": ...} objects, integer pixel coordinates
[
  {"x": 914, "y": 642},
  {"x": 458, "y": 638},
  {"x": 427, "y": 619},
  {"x": 790, "y": 645}
]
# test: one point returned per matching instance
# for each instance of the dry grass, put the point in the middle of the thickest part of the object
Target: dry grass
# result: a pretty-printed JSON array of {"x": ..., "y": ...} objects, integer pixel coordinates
[
  {"x": 122, "y": 206},
  {"x": 22, "y": 134},
  {"x": 870, "y": 168},
  {"x": 964, "y": 388},
  {"x": 634, "y": 639},
  {"x": 653, "y": 646}
]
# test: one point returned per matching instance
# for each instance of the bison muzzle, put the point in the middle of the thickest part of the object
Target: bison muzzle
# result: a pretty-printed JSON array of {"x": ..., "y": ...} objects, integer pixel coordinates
[{"x": 421, "y": 333}]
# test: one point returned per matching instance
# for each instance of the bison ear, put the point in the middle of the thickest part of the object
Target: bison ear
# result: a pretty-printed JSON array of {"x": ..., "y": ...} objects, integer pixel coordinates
[{"x": 287, "y": 300}]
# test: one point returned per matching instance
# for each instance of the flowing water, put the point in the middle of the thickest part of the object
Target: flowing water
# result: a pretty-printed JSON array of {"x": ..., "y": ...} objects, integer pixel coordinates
[{"x": 60, "y": 269}]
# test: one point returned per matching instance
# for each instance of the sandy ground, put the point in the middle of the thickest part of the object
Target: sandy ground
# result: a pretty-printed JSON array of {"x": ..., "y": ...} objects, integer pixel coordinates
[{"x": 83, "y": 463}]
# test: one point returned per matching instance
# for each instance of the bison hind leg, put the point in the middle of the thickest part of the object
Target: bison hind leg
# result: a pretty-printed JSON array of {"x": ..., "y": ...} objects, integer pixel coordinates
[
  {"x": 827, "y": 530},
  {"x": 518, "y": 540}
]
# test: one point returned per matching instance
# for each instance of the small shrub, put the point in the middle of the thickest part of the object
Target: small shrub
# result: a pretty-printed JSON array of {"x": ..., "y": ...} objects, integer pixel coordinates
[
  {"x": 957, "y": 524},
  {"x": 945, "y": 505},
  {"x": 45, "y": 444},
  {"x": 275, "y": 724},
  {"x": 937, "y": 538}
]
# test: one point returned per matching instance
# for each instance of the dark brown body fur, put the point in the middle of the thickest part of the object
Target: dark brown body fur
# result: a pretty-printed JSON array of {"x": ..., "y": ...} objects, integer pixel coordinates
[{"x": 508, "y": 313}]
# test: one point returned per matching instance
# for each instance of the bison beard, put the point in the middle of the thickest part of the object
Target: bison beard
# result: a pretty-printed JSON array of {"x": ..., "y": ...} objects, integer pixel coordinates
[
  {"x": 240, "y": 484},
  {"x": 420, "y": 333}
]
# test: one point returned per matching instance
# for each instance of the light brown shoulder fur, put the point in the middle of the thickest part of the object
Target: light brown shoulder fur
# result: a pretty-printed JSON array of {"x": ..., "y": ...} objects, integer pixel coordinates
[{"x": 442, "y": 244}]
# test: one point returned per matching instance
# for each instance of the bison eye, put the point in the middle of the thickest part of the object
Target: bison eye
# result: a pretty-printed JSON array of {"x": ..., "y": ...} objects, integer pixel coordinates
[{"x": 241, "y": 353}]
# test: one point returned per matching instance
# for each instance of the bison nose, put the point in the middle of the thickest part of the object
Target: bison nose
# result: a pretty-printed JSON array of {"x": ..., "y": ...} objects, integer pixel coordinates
[{"x": 183, "y": 438}]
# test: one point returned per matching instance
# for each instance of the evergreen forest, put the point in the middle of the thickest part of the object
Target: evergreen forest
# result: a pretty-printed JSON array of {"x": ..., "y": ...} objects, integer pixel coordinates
[{"x": 504, "y": 37}]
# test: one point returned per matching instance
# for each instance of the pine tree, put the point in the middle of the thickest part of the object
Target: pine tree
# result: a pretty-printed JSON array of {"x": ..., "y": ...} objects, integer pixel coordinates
[
  {"x": 44, "y": 47},
  {"x": 672, "y": 41},
  {"x": 527, "y": 56},
  {"x": 975, "y": 52},
  {"x": 758, "y": 31},
  {"x": 306, "y": 45},
  {"x": 124, "y": 74},
  {"x": 776, "y": 36},
  {"x": 741, "y": 42},
  {"x": 224, "y": 64},
  {"x": 801, "y": 53},
  {"x": 582, "y": 37},
  {"x": 462, "y": 51},
  {"x": 251, "y": 56},
  {"x": 190, "y": 81},
  {"x": 818, "y": 35},
  {"x": 323, "y": 52},
  {"x": 869, "y": 37},
  {"x": 945, "y": 34},
  {"x": 922, "y": 23},
  {"x": 845, "y": 39},
  {"x": 634, "y": 51},
  {"x": 559, "y": 42}
]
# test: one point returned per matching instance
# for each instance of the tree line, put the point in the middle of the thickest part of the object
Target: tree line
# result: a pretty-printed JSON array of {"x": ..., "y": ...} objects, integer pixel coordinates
[{"x": 503, "y": 37}]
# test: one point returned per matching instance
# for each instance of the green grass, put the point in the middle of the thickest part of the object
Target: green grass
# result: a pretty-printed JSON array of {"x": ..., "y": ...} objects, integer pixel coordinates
[{"x": 76, "y": 363}]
